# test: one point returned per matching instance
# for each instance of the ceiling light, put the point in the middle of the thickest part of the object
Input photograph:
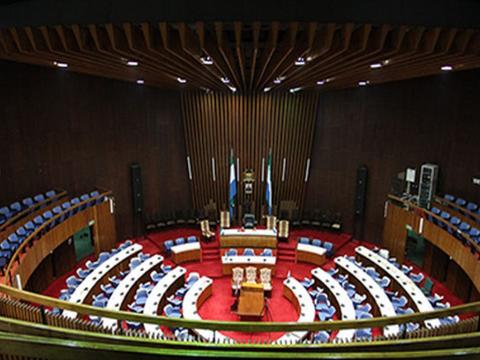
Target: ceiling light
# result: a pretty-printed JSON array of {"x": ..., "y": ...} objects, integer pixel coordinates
[
  {"x": 321, "y": 82},
  {"x": 60, "y": 64},
  {"x": 376, "y": 66},
  {"x": 140, "y": 81},
  {"x": 447, "y": 67},
  {"x": 386, "y": 62},
  {"x": 294, "y": 90},
  {"x": 300, "y": 61},
  {"x": 267, "y": 89},
  {"x": 363, "y": 83},
  {"x": 232, "y": 88},
  {"x": 309, "y": 58},
  {"x": 206, "y": 60},
  {"x": 181, "y": 80},
  {"x": 225, "y": 80},
  {"x": 277, "y": 80},
  {"x": 132, "y": 63}
]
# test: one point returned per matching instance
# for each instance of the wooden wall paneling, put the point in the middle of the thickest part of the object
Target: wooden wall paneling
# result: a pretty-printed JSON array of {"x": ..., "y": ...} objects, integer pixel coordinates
[
  {"x": 252, "y": 124},
  {"x": 104, "y": 230}
]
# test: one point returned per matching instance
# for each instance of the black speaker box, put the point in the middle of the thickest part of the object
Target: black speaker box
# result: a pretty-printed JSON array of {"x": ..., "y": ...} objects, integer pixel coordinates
[
  {"x": 361, "y": 191},
  {"x": 137, "y": 188}
]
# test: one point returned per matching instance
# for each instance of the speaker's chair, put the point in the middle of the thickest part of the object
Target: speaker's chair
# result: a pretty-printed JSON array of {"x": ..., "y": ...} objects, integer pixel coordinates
[{"x": 224, "y": 219}]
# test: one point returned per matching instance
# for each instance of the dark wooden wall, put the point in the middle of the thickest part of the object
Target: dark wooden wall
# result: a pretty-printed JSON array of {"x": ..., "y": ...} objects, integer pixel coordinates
[
  {"x": 250, "y": 125},
  {"x": 60, "y": 129},
  {"x": 389, "y": 128}
]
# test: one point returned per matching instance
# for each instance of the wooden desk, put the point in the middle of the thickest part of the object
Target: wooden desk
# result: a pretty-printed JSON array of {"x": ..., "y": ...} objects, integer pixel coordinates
[
  {"x": 311, "y": 254},
  {"x": 186, "y": 252},
  {"x": 251, "y": 303},
  {"x": 248, "y": 238}
]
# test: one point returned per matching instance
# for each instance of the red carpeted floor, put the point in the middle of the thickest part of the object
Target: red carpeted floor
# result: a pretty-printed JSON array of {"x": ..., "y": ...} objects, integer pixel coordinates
[{"x": 217, "y": 307}]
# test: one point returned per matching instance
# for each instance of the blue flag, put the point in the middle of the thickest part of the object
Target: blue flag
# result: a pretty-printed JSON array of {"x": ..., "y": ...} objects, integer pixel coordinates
[
  {"x": 268, "y": 195},
  {"x": 232, "y": 191}
]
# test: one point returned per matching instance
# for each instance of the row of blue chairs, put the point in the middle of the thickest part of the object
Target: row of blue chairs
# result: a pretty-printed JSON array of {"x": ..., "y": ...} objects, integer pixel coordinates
[
  {"x": 317, "y": 242},
  {"x": 16, "y": 238},
  {"x": 7, "y": 212},
  {"x": 469, "y": 205},
  {"x": 455, "y": 226},
  {"x": 167, "y": 245},
  {"x": 249, "y": 252}
]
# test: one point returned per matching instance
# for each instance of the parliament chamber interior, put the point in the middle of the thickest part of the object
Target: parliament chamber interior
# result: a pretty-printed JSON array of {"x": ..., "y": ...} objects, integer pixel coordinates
[{"x": 238, "y": 179}]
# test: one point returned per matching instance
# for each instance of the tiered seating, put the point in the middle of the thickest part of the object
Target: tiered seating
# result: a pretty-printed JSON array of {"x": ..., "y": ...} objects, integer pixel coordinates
[
  {"x": 139, "y": 270},
  {"x": 462, "y": 230},
  {"x": 172, "y": 219},
  {"x": 298, "y": 295},
  {"x": 26, "y": 206},
  {"x": 99, "y": 273},
  {"x": 47, "y": 220},
  {"x": 169, "y": 288},
  {"x": 468, "y": 208}
]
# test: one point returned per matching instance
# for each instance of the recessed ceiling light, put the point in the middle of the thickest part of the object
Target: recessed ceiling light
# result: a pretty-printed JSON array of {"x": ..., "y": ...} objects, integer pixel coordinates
[
  {"x": 447, "y": 67},
  {"x": 294, "y": 90},
  {"x": 376, "y": 66},
  {"x": 321, "y": 82},
  {"x": 267, "y": 89},
  {"x": 300, "y": 61},
  {"x": 60, "y": 64},
  {"x": 225, "y": 80},
  {"x": 140, "y": 81},
  {"x": 232, "y": 88},
  {"x": 363, "y": 83},
  {"x": 206, "y": 60},
  {"x": 132, "y": 63},
  {"x": 277, "y": 80},
  {"x": 309, "y": 58},
  {"x": 181, "y": 80}
]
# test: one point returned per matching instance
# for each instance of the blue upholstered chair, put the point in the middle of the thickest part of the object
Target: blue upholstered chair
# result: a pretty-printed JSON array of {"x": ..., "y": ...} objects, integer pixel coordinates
[
  {"x": 179, "y": 241},
  {"x": 14, "y": 240},
  {"x": 166, "y": 268},
  {"x": 363, "y": 333},
  {"x": 332, "y": 271},
  {"x": 103, "y": 256},
  {"x": 82, "y": 274},
  {"x": 248, "y": 252},
  {"x": 167, "y": 245},
  {"x": 471, "y": 206},
  {"x": 38, "y": 220},
  {"x": 316, "y": 242},
  {"x": 307, "y": 282},
  {"x": 417, "y": 278},
  {"x": 329, "y": 247},
  {"x": 156, "y": 276},
  {"x": 172, "y": 311},
  {"x": 174, "y": 300},
  {"x": 16, "y": 207},
  {"x": 39, "y": 198},
  {"x": 399, "y": 301},
  {"x": 27, "y": 202},
  {"x": 267, "y": 252},
  {"x": 303, "y": 240},
  {"x": 365, "y": 308},
  {"x": 192, "y": 279},
  {"x": 108, "y": 289},
  {"x": 134, "y": 263},
  {"x": 321, "y": 337},
  {"x": 192, "y": 239},
  {"x": 50, "y": 193},
  {"x": 461, "y": 202},
  {"x": 181, "y": 334},
  {"x": 231, "y": 252},
  {"x": 449, "y": 197}
]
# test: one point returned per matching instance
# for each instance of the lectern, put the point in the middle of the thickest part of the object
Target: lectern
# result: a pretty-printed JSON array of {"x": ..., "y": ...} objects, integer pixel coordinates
[{"x": 251, "y": 302}]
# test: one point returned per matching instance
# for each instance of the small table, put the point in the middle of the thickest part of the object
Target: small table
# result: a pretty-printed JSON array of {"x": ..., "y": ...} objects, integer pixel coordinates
[{"x": 251, "y": 303}]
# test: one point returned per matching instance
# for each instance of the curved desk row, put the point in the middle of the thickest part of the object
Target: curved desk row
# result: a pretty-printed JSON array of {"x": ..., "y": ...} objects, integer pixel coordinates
[
  {"x": 99, "y": 275},
  {"x": 311, "y": 254},
  {"x": 296, "y": 293},
  {"x": 200, "y": 291},
  {"x": 124, "y": 292},
  {"x": 381, "y": 304},
  {"x": 156, "y": 300},
  {"x": 229, "y": 262},
  {"x": 186, "y": 252},
  {"x": 339, "y": 298},
  {"x": 401, "y": 282},
  {"x": 248, "y": 238}
]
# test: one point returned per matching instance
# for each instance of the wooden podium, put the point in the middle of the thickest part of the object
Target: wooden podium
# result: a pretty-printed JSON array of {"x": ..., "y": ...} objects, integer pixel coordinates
[{"x": 251, "y": 302}]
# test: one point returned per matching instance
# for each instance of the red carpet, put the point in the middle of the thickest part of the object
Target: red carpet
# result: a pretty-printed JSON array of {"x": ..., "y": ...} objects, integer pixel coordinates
[{"x": 217, "y": 307}]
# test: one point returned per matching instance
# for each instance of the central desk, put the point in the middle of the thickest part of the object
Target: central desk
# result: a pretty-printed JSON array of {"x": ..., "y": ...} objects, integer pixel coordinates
[
  {"x": 248, "y": 238},
  {"x": 251, "y": 303}
]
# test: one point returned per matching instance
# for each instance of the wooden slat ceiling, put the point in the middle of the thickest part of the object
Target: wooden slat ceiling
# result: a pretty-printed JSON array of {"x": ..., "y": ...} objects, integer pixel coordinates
[{"x": 252, "y": 56}]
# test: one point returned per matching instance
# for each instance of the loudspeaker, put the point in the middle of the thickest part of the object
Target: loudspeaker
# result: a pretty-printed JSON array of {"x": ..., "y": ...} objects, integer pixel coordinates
[
  {"x": 361, "y": 190},
  {"x": 137, "y": 188}
]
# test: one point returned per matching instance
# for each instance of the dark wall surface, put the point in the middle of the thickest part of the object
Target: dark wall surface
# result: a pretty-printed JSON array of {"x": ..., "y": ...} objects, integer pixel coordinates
[
  {"x": 389, "y": 128},
  {"x": 60, "y": 129}
]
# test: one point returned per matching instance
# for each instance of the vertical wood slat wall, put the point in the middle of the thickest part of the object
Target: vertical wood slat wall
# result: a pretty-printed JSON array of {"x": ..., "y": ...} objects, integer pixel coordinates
[{"x": 249, "y": 124}]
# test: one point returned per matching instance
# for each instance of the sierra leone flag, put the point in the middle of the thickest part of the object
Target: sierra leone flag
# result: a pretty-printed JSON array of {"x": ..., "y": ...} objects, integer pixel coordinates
[
  {"x": 232, "y": 192},
  {"x": 268, "y": 194}
]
